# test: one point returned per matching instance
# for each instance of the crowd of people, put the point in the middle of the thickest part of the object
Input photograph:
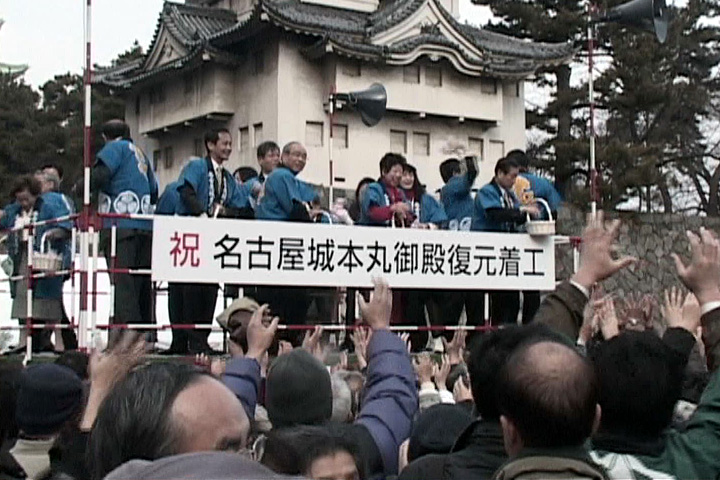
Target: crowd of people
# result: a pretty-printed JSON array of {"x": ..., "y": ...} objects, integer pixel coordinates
[{"x": 586, "y": 390}]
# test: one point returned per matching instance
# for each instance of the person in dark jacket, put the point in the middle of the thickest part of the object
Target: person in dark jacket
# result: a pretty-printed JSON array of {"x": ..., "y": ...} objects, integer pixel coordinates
[
  {"x": 313, "y": 452},
  {"x": 388, "y": 406},
  {"x": 478, "y": 452},
  {"x": 548, "y": 396}
]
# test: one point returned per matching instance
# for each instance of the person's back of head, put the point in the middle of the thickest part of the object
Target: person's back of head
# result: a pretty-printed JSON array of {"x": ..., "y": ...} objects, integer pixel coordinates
[
  {"x": 135, "y": 422},
  {"x": 195, "y": 466},
  {"x": 435, "y": 430},
  {"x": 114, "y": 129},
  {"x": 313, "y": 451},
  {"x": 298, "y": 390},
  {"x": 49, "y": 397},
  {"x": 245, "y": 173},
  {"x": 639, "y": 384},
  {"x": 519, "y": 157},
  {"x": 488, "y": 356},
  {"x": 9, "y": 386},
  {"x": 449, "y": 168},
  {"x": 548, "y": 397},
  {"x": 76, "y": 361}
]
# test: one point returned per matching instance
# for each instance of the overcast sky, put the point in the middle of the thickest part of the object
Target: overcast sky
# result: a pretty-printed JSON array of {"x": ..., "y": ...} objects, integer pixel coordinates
[{"x": 48, "y": 34}]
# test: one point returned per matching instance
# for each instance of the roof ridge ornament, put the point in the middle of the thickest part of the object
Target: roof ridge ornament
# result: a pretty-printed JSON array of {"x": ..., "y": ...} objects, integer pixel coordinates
[{"x": 429, "y": 28}]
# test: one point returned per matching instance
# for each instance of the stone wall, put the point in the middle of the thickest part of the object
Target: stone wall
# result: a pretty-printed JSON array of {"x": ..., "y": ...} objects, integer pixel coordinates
[{"x": 649, "y": 237}]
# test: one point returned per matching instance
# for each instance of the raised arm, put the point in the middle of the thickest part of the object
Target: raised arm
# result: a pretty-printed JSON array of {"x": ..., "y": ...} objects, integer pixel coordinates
[
  {"x": 242, "y": 373},
  {"x": 391, "y": 398},
  {"x": 563, "y": 309}
]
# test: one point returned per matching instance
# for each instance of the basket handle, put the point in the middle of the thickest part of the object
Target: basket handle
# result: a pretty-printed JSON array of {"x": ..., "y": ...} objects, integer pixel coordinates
[
  {"x": 324, "y": 214},
  {"x": 44, "y": 242},
  {"x": 542, "y": 202}
]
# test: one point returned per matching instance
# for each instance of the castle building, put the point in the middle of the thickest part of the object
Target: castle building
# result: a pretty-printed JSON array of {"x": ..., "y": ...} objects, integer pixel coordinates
[{"x": 264, "y": 70}]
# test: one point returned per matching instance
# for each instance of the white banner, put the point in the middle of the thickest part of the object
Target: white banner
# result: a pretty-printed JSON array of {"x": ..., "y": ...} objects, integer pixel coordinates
[{"x": 200, "y": 250}]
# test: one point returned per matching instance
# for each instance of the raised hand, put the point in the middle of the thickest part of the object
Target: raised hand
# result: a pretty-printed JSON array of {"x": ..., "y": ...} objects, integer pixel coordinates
[
  {"x": 607, "y": 318},
  {"x": 361, "y": 338},
  {"x": 596, "y": 259},
  {"x": 671, "y": 309},
  {"x": 311, "y": 342},
  {"x": 259, "y": 335},
  {"x": 701, "y": 275},
  {"x": 108, "y": 369},
  {"x": 456, "y": 347},
  {"x": 405, "y": 337},
  {"x": 441, "y": 373},
  {"x": 461, "y": 392},
  {"x": 377, "y": 311},
  {"x": 423, "y": 368}
]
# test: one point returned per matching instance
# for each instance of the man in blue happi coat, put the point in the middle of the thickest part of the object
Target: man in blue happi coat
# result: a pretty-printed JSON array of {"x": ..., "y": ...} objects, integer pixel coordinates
[
  {"x": 125, "y": 183},
  {"x": 528, "y": 188},
  {"x": 456, "y": 196},
  {"x": 497, "y": 209},
  {"x": 287, "y": 198},
  {"x": 206, "y": 189}
]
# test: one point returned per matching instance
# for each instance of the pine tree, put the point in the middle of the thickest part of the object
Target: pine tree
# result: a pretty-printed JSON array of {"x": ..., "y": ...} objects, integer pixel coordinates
[
  {"x": 561, "y": 154},
  {"x": 657, "y": 97}
]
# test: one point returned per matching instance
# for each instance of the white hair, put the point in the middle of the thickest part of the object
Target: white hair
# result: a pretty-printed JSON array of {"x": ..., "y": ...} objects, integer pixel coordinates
[{"x": 342, "y": 399}]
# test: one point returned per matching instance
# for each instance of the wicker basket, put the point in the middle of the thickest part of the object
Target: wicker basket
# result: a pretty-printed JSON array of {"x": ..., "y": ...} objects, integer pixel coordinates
[
  {"x": 541, "y": 227},
  {"x": 46, "y": 260}
]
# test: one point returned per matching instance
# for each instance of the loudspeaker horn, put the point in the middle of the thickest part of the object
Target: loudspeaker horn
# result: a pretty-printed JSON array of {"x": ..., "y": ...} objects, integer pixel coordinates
[
  {"x": 370, "y": 104},
  {"x": 650, "y": 15}
]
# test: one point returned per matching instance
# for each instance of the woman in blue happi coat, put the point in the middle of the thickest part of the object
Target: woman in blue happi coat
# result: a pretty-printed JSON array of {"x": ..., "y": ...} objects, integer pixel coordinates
[
  {"x": 427, "y": 212},
  {"x": 30, "y": 206}
]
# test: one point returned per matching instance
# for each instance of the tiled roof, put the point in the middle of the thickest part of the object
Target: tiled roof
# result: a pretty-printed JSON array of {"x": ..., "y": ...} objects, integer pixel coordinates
[
  {"x": 348, "y": 32},
  {"x": 191, "y": 24},
  {"x": 316, "y": 17},
  {"x": 391, "y": 13}
]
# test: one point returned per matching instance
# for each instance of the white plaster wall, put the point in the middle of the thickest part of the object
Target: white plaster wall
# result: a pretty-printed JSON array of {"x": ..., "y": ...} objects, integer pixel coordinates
[
  {"x": 367, "y": 145},
  {"x": 303, "y": 88},
  {"x": 254, "y": 101},
  {"x": 459, "y": 95},
  {"x": 214, "y": 85}
]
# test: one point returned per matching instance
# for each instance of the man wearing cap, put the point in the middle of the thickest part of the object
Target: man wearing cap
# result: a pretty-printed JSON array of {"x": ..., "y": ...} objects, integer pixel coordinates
[
  {"x": 235, "y": 319},
  {"x": 50, "y": 396}
]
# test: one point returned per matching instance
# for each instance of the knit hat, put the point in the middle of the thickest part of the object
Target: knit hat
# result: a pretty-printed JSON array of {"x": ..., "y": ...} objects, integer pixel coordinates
[
  {"x": 436, "y": 429},
  {"x": 49, "y": 395},
  {"x": 298, "y": 391}
]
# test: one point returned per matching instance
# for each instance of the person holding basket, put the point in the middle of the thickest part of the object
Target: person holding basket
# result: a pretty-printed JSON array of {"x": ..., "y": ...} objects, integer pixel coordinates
[{"x": 497, "y": 209}]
